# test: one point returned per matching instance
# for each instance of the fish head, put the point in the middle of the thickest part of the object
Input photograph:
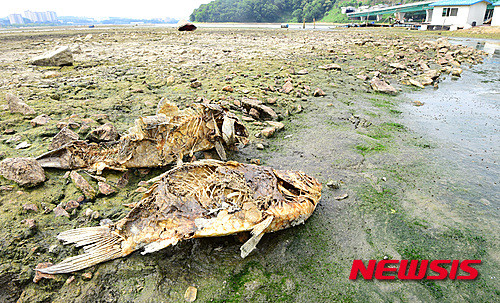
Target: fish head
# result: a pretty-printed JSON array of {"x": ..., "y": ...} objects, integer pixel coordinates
[{"x": 299, "y": 184}]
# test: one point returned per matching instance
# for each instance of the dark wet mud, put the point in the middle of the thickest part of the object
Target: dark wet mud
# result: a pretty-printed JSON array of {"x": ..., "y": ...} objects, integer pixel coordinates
[{"x": 391, "y": 196}]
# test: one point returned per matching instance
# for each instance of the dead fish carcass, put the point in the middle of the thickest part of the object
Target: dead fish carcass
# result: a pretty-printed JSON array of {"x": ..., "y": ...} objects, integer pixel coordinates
[
  {"x": 155, "y": 141},
  {"x": 206, "y": 198}
]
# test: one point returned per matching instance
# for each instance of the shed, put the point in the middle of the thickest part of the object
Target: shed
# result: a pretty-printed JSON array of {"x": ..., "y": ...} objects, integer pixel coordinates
[
  {"x": 495, "y": 20},
  {"x": 459, "y": 13}
]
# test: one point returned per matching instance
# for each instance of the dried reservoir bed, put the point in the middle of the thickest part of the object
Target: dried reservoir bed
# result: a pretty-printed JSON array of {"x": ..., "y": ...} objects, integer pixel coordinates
[{"x": 397, "y": 202}]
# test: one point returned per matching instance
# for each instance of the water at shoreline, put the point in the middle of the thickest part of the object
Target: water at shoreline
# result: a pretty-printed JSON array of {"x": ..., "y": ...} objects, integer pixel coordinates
[{"x": 462, "y": 117}]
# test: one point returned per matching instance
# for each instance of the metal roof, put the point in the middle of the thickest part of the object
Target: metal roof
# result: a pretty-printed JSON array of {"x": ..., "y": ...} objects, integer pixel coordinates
[{"x": 458, "y": 2}]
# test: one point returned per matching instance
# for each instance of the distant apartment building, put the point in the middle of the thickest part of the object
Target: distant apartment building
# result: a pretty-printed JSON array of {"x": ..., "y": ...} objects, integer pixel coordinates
[
  {"x": 39, "y": 17},
  {"x": 16, "y": 19}
]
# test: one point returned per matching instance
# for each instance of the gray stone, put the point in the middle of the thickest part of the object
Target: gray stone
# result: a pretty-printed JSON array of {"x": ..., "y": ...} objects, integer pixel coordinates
[
  {"x": 18, "y": 106},
  {"x": 61, "y": 56},
  {"x": 24, "y": 171}
]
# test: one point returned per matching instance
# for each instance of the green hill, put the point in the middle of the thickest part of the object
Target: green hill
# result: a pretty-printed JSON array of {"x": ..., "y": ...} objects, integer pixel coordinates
[{"x": 273, "y": 10}]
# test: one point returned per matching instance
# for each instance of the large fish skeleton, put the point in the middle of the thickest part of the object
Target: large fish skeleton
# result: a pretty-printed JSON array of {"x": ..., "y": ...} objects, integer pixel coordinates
[
  {"x": 207, "y": 198},
  {"x": 155, "y": 141}
]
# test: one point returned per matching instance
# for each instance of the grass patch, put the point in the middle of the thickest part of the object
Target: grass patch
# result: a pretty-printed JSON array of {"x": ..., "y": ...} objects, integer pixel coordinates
[{"x": 365, "y": 149}]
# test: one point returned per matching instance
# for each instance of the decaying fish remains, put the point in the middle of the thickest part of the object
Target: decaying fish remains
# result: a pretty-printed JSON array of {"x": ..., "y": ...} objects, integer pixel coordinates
[
  {"x": 155, "y": 141},
  {"x": 205, "y": 198}
]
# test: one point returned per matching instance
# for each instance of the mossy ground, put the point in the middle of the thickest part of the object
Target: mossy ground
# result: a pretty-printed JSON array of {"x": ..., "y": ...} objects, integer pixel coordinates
[{"x": 400, "y": 205}]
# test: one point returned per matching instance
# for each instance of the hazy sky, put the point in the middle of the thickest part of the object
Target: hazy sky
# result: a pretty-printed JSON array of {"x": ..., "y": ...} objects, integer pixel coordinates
[{"x": 104, "y": 8}]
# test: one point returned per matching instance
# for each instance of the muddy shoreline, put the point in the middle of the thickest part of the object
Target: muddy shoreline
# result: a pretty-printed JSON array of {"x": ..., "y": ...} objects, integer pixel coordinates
[{"x": 400, "y": 205}]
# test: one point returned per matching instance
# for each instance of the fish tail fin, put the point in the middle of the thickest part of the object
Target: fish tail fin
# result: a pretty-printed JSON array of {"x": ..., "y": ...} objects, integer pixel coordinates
[
  {"x": 257, "y": 233},
  {"x": 99, "y": 245}
]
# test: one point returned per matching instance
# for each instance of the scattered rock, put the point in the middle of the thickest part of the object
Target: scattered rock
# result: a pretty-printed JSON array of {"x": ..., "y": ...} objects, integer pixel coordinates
[
  {"x": 416, "y": 83},
  {"x": 39, "y": 276},
  {"x": 70, "y": 205},
  {"x": 87, "y": 276},
  {"x": 40, "y": 120},
  {"x": 184, "y": 26},
  {"x": 268, "y": 132},
  {"x": 83, "y": 185},
  {"x": 170, "y": 80},
  {"x": 105, "y": 132},
  {"x": 228, "y": 89},
  {"x": 30, "y": 207},
  {"x": 331, "y": 66},
  {"x": 18, "y": 106},
  {"x": 287, "y": 87},
  {"x": 265, "y": 112},
  {"x": 333, "y": 184},
  {"x": 319, "y": 93},
  {"x": 195, "y": 84},
  {"x": 383, "y": 87},
  {"x": 418, "y": 103},
  {"x": 51, "y": 74},
  {"x": 259, "y": 146},
  {"x": 397, "y": 65},
  {"x": 61, "y": 56},
  {"x": 277, "y": 125},
  {"x": 24, "y": 171},
  {"x": 456, "y": 72},
  {"x": 190, "y": 294},
  {"x": 302, "y": 72},
  {"x": 70, "y": 280},
  {"x": 105, "y": 188},
  {"x": 63, "y": 137},
  {"x": 255, "y": 161},
  {"x": 254, "y": 113},
  {"x": 23, "y": 145},
  {"x": 341, "y": 197},
  {"x": 31, "y": 223},
  {"x": 60, "y": 212}
]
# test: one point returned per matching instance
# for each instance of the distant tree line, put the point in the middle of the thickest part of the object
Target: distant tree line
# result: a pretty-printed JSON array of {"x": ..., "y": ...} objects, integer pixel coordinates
[{"x": 262, "y": 10}]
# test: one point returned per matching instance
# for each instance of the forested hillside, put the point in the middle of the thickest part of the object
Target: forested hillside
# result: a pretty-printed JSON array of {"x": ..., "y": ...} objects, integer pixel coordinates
[{"x": 272, "y": 10}]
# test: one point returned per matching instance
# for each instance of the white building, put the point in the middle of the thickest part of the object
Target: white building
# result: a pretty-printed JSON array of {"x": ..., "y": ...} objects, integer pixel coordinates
[
  {"x": 16, "y": 19},
  {"x": 459, "y": 13},
  {"x": 38, "y": 17},
  {"x": 495, "y": 21}
]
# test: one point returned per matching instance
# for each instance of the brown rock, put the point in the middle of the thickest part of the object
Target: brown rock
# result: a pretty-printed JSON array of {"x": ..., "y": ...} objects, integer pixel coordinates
[
  {"x": 254, "y": 113},
  {"x": 265, "y": 112},
  {"x": 63, "y": 137},
  {"x": 87, "y": 275},
  {"x": 24, "y": 171},
  {"x": 255, "y": 161},
  {"x": 277, "y": 125},
  {"x": 31, "y": 223},
  {"x": 18, "y": 106},
  {"x": 105, "y": 188},
  {"x": 60, "y": 212},
  {"x": 381, "y": 86},
  {"x": 228, "y": 89},
  {"x": 70, "y": 205},
  {"x": 39, "y": 275},
  {"x": 268, "y": 132},
  {"x": 30, "y": 207},
  {"x": 40, "y": 120},
  {"x": 319, "y": 93},
  {"x": 83, "y": 185},
  {"x": 195, "y": 84},
  {"x": 105, "y": 132}
]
